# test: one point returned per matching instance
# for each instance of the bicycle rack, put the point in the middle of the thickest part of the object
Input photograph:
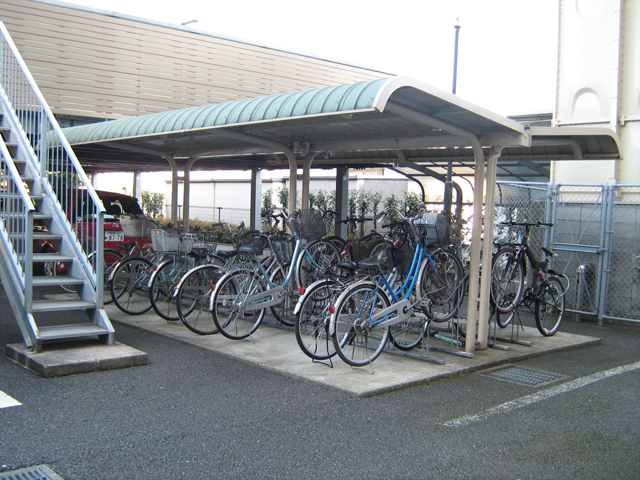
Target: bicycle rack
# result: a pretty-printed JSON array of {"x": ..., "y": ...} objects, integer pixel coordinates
[{"x": 516, "y": 326}]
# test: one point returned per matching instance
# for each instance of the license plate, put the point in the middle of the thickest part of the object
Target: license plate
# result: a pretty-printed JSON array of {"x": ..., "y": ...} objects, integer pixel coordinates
[{"x": 114, "y": 237}]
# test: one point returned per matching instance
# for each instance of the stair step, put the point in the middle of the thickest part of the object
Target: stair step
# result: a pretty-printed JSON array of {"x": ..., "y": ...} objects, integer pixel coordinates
[
  {"x": 57, "y": 305},
  {"x": 71, "y": 331},
  {"x": 56, "y": 281},
  {"x": 49, "y": 257},
  {"x": 38, "y": 236}
]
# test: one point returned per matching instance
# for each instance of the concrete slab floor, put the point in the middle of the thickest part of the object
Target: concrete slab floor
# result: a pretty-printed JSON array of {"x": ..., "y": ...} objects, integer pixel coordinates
[
  {"x": 58, "y": 359},
  {"x": 276, "y": 349}
]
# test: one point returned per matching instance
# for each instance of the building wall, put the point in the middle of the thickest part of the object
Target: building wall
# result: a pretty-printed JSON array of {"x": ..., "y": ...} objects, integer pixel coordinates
[
  {"x": 599, "y": 83},
  {"x": 90, "y": 64}
]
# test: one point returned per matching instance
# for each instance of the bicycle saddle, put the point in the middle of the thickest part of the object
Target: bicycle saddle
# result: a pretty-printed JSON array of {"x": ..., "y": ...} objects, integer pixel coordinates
[
  {"x": 126, "y": 245},
  {"x": 199, "y": 252},
  {"x": 254, "y": 248},
  {"x": 226, "y": 254},
  {"x": 373, "y": 263}
]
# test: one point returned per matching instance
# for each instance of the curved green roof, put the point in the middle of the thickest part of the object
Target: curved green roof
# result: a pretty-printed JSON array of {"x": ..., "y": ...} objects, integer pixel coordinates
[{"x": 326, "y": 100}]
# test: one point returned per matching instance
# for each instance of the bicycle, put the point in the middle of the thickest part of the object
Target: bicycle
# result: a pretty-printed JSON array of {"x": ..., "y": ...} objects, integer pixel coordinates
[
  {"x": 371, "y": 311},
  {"x": 241, "y": 296},
  {"x": 508, "y": 272},
  {"x": 353, "y": 249},
  {"x": 194, "y": 289}
]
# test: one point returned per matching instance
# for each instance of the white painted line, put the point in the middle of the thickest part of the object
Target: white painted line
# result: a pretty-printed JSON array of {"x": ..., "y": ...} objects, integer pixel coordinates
[
  {"x": 7, "y": 401},
  {"x": 541, "y": 395}
]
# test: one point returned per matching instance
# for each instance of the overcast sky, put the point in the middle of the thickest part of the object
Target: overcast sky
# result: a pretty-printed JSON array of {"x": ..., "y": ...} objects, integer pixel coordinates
[{"x": 507, "y": 48}]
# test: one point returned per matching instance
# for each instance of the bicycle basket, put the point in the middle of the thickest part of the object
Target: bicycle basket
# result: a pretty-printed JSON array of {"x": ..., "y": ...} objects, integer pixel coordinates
[
  {"x": 164, "y": 242},
  {"x": 282, "y": 247},
  {"x": 312, "y": 226},
  {"x": 433, "y": 228},
  {"x": 252, "y": 238},
  {"x": 135, "y": 226},
  {"x": 402, "y": 257}
]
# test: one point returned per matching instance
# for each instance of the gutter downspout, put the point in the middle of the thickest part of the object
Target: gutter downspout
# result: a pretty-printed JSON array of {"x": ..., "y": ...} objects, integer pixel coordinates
[
  {"x": 476, "y": 311},
  {"x": 174, "y": 173},
  {"x": 277, "y": 146}
]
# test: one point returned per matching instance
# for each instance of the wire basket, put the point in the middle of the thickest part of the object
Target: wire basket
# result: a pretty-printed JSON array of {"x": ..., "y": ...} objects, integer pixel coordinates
[
  {"x": 311, "y": 224},
  {"x": 433, "y": 228},
  {"x": 282, "y": 247},
  {"x": 165, "y": 242}
]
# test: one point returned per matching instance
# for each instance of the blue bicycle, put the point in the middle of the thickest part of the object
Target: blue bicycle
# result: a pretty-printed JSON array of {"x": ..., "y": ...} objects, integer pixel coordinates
[{"x": 396, "y": 306}]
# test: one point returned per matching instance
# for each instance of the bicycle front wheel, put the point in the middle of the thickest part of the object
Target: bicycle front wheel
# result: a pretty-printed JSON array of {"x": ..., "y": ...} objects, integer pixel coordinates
[
  {"x": 312, "y": 320},
  {"x": 111, "y": 258},
  {"x": 129, "y": 285},
  {"x": 356, "y": 340},
  {"x": 550, "y": 303},
  {"x": 193, "y": 299},
  {"x": 441, "y": 285},
  {"x": 236, "y": 303},
  {"x": 162, "y": 287},
  {"x": 507, "y": 280}
]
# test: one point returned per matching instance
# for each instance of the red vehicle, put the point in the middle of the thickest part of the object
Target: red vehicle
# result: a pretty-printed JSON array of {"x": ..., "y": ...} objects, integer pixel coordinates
[{"x": 115, "y": 204}]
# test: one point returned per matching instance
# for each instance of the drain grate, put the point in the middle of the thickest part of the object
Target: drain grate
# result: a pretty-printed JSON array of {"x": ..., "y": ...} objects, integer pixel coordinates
[
  {"x": 523, "y": 375},
  {"x": 39, "y": 472}
]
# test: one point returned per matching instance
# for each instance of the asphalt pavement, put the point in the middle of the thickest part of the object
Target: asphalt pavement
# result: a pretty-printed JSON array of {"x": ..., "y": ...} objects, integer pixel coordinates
[{"x": 192, "y": 412}]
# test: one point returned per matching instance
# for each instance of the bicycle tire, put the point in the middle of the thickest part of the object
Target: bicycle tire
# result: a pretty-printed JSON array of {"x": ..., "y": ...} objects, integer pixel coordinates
[
  {"x": 440, "y": 285},
  {"x": 129, "y": 285},
  {"x": 283, "y": 312},
  {"x": 507, "y": 280},
  {"x": 111, "y": 258},
  {"x": 193, "y": 298},
  {"x": 313, "y": 318},
  {"x": 550, "y": 305},
  {"x": 354, "y": 340},
  {"x": 317, "y": 261},
  {"x": 162, "y": 286},
  {"x": 229, "y": 303},
  {"x": 503, "y": 320}
]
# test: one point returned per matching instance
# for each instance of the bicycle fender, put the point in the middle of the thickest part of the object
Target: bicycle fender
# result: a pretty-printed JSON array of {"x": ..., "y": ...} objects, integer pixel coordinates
[
  {"x": 156, "y": 270},
  {"x": 307, "y": 290}
]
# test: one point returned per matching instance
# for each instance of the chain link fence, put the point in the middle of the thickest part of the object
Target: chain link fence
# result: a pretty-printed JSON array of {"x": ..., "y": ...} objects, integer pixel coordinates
[{"x": 596, "y": 235}]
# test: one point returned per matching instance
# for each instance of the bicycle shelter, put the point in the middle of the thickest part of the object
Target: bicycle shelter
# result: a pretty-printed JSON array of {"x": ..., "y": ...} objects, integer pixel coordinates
[{"x": 397, "y": 122}]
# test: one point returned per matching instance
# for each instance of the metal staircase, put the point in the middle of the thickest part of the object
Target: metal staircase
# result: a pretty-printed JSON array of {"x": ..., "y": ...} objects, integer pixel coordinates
[{"x": 51, "y": 228}]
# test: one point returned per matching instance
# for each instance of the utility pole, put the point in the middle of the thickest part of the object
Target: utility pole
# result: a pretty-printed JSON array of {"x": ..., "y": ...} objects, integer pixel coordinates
[{"x": 455, "y": 56}]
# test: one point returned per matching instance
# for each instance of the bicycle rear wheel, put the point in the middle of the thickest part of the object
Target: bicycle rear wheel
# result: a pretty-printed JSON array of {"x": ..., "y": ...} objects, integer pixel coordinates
[
  {"x": 233, "y": 313},
  {"x": 193, "y": 299},
  {"x": 316, "y": 262},
  {"x": 507, "y": 280},
  {"x": 129, "y": 285},
  {"x": 550, "y": 303},
  {"x": 284, "y": 311},
  {"x": 312, "y": 320},
  {"x": 357, "y": 342}
]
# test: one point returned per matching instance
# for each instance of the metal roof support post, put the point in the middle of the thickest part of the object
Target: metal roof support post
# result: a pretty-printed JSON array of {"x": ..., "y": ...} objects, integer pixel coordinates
[
  {"x": 256, "y": 199},
  {"x": 478, "y": 154},
  {"x": 342, "y": 200},
  {"x": 306, "y": 178},
  {"x": 277, "y": 147},
  {"x": 487, "y": 244},
  {"x": 186, "y": 193},
  {"x": 174, "y": 173}
]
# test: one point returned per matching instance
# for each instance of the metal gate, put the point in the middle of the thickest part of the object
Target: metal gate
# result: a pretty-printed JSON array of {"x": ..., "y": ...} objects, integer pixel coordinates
[{"x": 596, "y": 235}]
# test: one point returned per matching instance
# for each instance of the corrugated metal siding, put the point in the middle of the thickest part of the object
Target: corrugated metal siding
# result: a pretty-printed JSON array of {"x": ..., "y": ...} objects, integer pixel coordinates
[{"x": 95, "y": 65}]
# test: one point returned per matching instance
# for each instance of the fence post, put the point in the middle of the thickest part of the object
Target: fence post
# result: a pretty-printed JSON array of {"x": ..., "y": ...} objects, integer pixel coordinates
[{"x": 604, "y": 262}]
